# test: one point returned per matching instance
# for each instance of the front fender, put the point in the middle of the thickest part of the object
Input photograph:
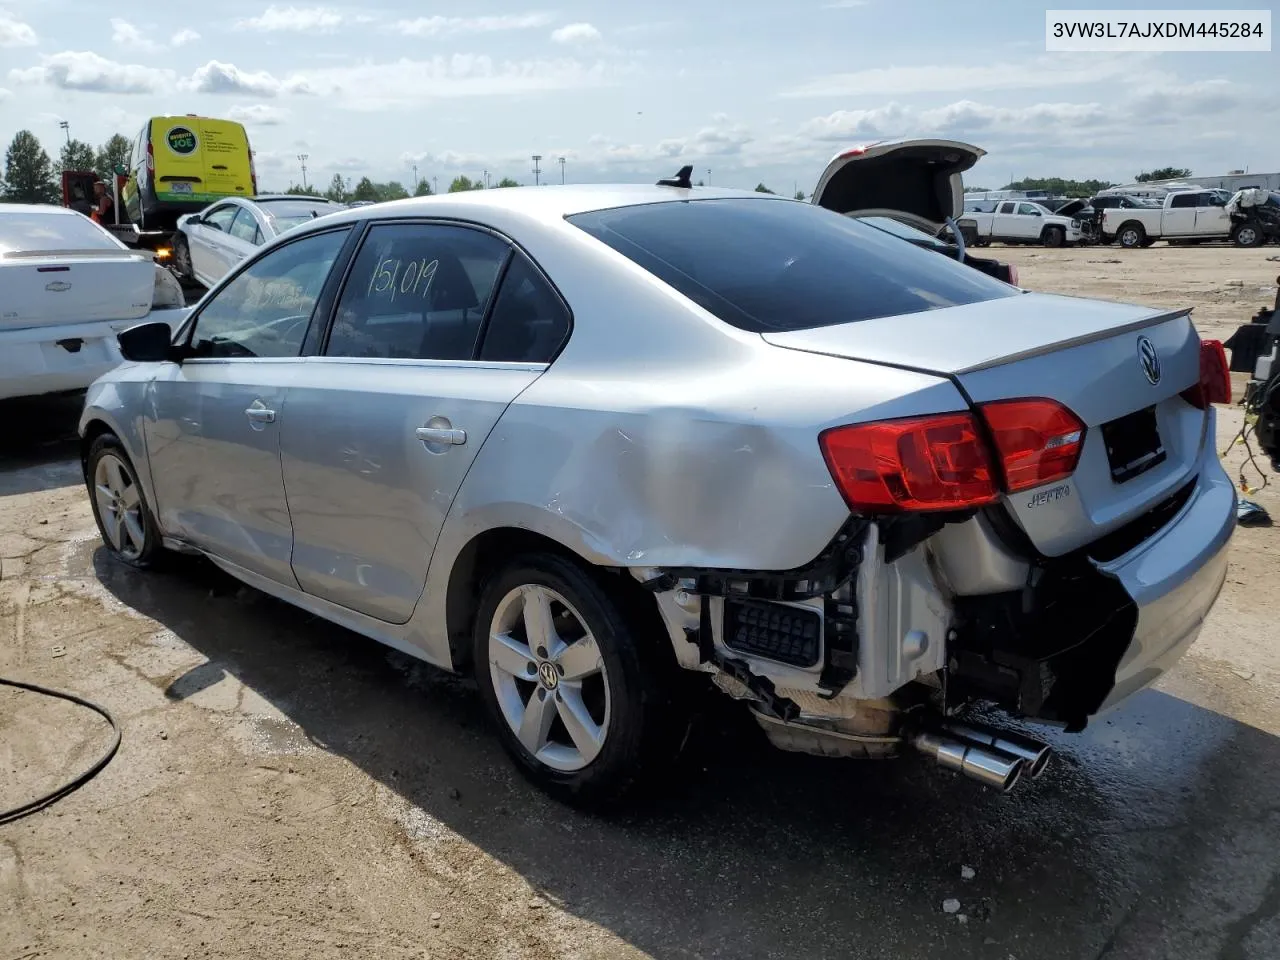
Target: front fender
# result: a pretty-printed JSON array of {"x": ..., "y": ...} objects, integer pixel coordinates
[{"x": 119, "y": 405}]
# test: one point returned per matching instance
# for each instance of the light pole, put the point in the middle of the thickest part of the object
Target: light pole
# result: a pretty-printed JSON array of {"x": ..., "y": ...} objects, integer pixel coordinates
[
  {"x": 436, "y": 184},
  {"x": 302, "y": 159},
  {"x": 562, "y": 171},
  {"x": 537, "y": 158},
  {"x": 66, "y": 128},
  {"x": 708, "y": 176},
  {"x": 485, "y": 174},
  {"x": 415, "y": 178}
]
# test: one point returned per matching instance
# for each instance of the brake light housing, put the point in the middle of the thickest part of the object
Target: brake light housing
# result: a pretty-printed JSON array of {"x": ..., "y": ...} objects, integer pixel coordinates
[
  {"x": 953, "y": 461},
  {"x": 1013, "y": 275},
  {"x": 1214, "y": 385},
  {"x": 151, "y": 159},
  {"x": 253, "y": 174}
]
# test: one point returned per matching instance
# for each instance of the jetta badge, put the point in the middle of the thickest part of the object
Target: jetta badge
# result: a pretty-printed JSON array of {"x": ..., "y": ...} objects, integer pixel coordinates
[
  {"x": 58, "y": 286},
  {"x": 1149, "y": 359}
]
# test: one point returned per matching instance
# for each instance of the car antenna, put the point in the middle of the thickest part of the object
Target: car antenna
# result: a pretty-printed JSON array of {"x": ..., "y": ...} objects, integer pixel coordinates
[{"x": 681, "y": 179}]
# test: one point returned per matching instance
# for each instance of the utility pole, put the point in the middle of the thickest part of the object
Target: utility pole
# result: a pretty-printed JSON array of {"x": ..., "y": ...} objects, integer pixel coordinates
[
  {"x": 66, "y": 127},
  {"x": 708, "y": 176},
  {"x": 537, "y": 157},
  {"x": 485, "y": 173},
  {"x": 415, "y": 178},
  {"x": 562, "y": 171},
  {"x": 302, "y": 159},
  {"x": 435, "y": 181}
]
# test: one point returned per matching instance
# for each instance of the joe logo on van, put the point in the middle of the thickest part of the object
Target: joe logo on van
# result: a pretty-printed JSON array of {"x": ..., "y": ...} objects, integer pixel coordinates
[{"x": 181, "y": 140}]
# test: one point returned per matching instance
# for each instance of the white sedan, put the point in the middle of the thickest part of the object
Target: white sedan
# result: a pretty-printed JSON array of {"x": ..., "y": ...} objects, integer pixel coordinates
[
  {"x": 211, "y": 242},
  {"x": 66, "y": 287}
]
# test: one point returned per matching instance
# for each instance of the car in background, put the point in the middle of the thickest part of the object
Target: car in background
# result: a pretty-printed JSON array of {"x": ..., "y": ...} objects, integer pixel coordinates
[
  {"x": 211, "y": 242},
  {"x": 608, "y": 447},
  {"x": 66, "y": 287},
  {"x": 180, "y": 164}
]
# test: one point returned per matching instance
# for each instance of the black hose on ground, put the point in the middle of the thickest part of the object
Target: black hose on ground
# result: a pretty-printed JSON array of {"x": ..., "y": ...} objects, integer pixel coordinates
[{"x": 31, "y": 806}]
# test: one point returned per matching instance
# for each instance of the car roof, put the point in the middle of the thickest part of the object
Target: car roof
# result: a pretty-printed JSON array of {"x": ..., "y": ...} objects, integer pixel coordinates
[
  {"x": 539, "y": 203},
  {"x": 305, "y": 197},
  {"x": 37, "y": 208}
]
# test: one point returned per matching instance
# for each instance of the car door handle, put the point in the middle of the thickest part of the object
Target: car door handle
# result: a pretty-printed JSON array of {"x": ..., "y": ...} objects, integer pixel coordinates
[
  {"x": 441, "y": 435},
  {"x": 260, "y": 414}
]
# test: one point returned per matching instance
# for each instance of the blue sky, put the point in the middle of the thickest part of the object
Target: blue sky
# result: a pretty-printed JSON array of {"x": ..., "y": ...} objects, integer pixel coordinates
[{"x": 756, "y": 91}]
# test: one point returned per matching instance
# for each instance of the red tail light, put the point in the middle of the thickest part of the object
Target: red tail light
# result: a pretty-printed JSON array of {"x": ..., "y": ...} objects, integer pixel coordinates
[
  {"x": 920, "y": 463},
  {"x": 1215, "y": 377},
  {"x": 944, "y": 462},
  {"x": 1038, "y": 441},
  {"x": 151, "y": 159},
  {"x": 1013, "y": 275}
]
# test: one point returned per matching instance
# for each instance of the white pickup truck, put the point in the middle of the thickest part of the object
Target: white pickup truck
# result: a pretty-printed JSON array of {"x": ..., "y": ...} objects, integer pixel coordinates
[
  {"x": 1022, "y": 221},
  {"x": 1186, "y": 215}
]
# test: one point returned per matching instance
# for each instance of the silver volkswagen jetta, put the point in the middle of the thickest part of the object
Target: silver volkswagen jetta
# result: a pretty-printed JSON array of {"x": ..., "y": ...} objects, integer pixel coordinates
[{"x": 591, "y": 442}]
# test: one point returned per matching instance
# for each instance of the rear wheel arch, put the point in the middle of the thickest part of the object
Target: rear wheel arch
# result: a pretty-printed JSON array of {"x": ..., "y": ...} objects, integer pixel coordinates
[{"x": 493, "y": 550}]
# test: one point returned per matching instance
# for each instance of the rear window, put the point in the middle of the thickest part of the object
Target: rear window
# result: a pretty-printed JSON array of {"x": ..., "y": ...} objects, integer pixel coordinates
[
  {"x": 764, "y": 265},
  {"x": 29, "y": 231}
]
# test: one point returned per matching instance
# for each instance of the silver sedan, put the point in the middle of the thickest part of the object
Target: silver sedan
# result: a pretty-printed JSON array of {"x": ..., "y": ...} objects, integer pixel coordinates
[{"x": 596, "y": 443}]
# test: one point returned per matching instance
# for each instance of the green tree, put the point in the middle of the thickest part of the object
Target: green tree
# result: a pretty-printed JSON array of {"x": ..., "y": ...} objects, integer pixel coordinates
[
  {"x": 423, "y": 188},
  {"x": 1164, "y": 173},
  {"x": 365, "y": 190},
  {"x": 28, "y": 172},
  {"x": 761, "y": 188},
  {"x": 800, "y": 195},
  {"x": 77, "y": 155},
  {"x": 337, "y": 189},
  {"x": 299, "y": 190},
  {"x": 111, "y": 155},
  {"x": 461, "y": 184},
  {"x": 393, "y": 190},
  {"x": 1056, "y": 186},
  {"x": 507, "y": 182}
]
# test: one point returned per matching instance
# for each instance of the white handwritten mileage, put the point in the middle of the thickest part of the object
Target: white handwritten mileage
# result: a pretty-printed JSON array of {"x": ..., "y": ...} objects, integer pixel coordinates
[{"x": 395, "y": 276}]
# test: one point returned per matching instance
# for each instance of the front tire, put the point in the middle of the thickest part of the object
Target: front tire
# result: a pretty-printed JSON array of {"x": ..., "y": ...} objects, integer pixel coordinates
[
  {"x": 1247, "y": 235},
  {"x": 182, "y": 258},
  {"x": 1053, "y": 237},
  {"x": 124, "y": 519},
  {"x": 581, "y": 700}
]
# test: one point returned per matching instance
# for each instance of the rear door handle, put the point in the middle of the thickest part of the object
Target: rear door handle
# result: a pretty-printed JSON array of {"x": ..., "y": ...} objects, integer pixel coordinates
[
  {"x": 258, "y": 413},
  {"x": 441, "y": 435}
]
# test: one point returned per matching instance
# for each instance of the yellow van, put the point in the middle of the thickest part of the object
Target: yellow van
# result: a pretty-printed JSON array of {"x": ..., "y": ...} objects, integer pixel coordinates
[{"x": 182, "y": 164}]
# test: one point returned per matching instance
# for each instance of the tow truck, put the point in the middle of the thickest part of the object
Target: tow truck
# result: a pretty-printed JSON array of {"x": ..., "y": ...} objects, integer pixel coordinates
[{"x": 77, "y": 194}]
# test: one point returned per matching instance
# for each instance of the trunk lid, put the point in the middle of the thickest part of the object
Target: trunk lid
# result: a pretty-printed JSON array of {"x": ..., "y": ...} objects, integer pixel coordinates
[
  {"x": 918, "y": 181},
  {"x": 58, "y": 267},
  {"x": 1084, "y": 354}
]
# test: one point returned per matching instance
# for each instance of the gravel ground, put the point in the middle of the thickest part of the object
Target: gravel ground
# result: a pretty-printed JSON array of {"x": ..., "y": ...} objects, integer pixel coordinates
[{"x": 286, "y": 788}]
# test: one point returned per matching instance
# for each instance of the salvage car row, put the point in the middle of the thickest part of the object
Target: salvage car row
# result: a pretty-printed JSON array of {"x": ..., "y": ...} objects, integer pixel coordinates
[{"x": 594, "y": 445}]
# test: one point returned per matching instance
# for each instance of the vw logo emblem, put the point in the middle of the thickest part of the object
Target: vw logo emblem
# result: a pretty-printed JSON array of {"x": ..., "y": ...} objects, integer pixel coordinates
[
  {"x": 1149, "y": 359},
  {"x": 548, "y": 675}
]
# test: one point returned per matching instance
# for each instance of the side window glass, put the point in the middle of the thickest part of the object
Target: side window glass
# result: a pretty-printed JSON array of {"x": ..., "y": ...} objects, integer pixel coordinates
[
  {"x": 244, "y": 227},
  {"x": 1027, "y": 210},
  {"x": 220, "y": 218},
  {"x": 528, "y": 322},
  {"x": 265, "y": 310},
  {"x": 417, "y": 292},
  {"x": 1214, "y": 200},
  {"x": 1183, "y": 200}
]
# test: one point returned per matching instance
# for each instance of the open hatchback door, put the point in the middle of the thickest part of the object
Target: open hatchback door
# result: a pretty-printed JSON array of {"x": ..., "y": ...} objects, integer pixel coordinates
[{"x": 918, "y": 182}]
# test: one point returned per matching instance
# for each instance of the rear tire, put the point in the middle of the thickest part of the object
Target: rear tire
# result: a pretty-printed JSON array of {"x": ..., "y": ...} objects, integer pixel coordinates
[
  {"x": 582, "y": 701},
  {"x": 125, "y": 521},
  {"x": 1132, "y": 235}
]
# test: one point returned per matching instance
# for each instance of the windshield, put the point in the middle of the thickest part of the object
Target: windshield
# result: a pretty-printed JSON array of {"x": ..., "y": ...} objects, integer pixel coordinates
[
  {"x": 32, "y": 231},
  {"x": 285, "y": 214},
  {"x": 764, "y": 265}
]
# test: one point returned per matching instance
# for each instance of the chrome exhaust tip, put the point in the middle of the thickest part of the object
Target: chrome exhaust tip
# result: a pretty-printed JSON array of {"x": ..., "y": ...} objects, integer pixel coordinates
[
  {"x": 984, "y": 764},
  {"x": 1036, "y": 754}
]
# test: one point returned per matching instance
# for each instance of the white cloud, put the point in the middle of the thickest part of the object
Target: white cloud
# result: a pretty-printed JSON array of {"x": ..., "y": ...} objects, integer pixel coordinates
[
  {"x": 438, "y": 26},
  {"x": 576, "y": 33},
  {"x": 380, "y": 86},
  {"x": 5, "y": 94},
  {"x": 125, "y": 34},
  {"x": 183, "y": 37},
  {"x": 218, "y": 77},
  {"x": 1043, "y": 72},
  {"x": 294, "y": 20},
  {"x": 15, "y": 33},
  {"x": 87, "y": 71},
  {"x": 258, "y": 114}
]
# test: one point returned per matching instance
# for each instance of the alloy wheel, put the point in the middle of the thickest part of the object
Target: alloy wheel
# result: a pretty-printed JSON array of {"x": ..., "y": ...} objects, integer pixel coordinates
[
  {"x": 549, "y": 678},
  {"x": 119, "y": 506}
]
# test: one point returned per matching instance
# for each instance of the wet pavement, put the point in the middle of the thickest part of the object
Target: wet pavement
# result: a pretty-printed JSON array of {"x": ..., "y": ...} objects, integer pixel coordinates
[{"x": 1153, "y": 835}]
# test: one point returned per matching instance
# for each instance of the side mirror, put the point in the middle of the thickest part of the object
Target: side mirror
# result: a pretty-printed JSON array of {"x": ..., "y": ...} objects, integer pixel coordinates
[{"x": 147, "y": 342}]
